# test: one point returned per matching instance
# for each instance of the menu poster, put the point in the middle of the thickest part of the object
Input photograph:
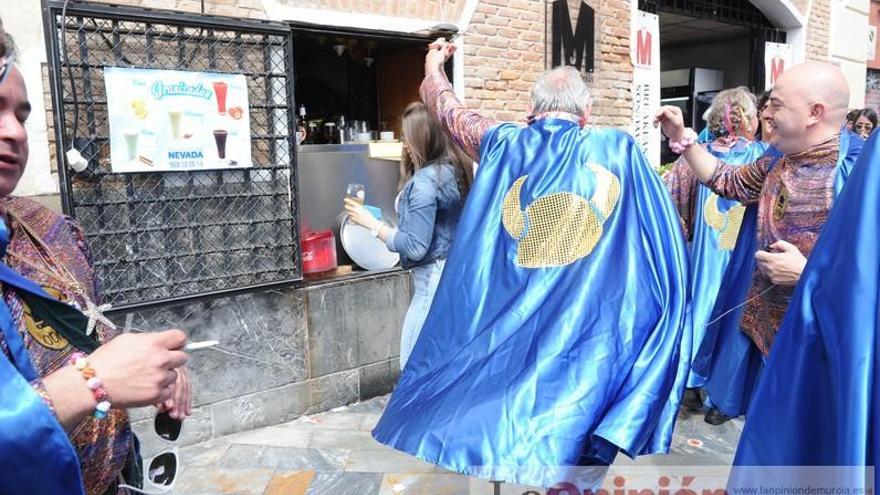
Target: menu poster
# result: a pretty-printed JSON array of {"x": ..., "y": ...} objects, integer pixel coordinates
[{"x": 163, "y": 120}]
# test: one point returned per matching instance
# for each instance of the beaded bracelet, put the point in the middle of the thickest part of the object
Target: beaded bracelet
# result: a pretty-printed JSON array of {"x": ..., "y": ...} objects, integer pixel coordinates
[
  {"x": 688, "y": 140},
  {"x": 79, "y": 361}
]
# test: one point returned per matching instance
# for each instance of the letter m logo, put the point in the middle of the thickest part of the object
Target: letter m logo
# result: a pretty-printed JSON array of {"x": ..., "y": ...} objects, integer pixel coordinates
[
  {"x": 574, "y": 48},
  {"x": 643, "y": 47}
]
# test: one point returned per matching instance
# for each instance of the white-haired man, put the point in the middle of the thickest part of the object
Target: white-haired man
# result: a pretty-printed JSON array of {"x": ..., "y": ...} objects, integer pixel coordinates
[{"x": 558, "y": 335}]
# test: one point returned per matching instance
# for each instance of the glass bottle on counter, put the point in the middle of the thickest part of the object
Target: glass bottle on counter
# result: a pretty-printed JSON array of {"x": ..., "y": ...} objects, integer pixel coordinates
[
  {"x": 313, "y": 133},
  {"x": 301, "y": 127},
  {"x": 331, "y": 135},
  {"x": 341, "y": 129}
]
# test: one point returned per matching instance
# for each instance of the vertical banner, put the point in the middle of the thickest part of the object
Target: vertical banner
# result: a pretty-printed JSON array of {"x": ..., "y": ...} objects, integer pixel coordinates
[
  {"x": 645, "y": 54},
  {"x": 777, "y": 58}
]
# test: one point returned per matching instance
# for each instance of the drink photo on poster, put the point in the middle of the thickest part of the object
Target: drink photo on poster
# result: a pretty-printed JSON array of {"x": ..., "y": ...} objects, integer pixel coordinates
[{"x": 176, "y": 120}]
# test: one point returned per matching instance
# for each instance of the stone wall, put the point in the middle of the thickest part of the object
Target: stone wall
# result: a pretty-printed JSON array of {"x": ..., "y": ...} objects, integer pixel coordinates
[{"x": 283, "y": 353}]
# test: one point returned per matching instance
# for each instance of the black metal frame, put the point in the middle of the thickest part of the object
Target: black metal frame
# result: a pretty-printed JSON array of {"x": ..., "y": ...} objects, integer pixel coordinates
[
  {"x": 152, "y": 212},
  {"x": 740, "y": 12}
]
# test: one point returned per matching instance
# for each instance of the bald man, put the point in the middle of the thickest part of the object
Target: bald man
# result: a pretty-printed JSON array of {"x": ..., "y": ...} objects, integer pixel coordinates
[{"x": 792, "y": 196}]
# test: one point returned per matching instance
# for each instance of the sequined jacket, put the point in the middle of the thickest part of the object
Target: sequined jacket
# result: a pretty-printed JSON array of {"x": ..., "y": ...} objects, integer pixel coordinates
[{"x": 103, "y": 446}]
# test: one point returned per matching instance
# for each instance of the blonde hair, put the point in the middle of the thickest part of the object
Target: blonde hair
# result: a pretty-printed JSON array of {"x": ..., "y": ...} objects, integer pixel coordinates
[{"x": 733, "y": 112}]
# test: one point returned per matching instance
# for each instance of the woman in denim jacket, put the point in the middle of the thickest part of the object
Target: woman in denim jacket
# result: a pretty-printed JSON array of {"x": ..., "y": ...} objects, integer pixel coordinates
[{"x": 435, "y": 177}]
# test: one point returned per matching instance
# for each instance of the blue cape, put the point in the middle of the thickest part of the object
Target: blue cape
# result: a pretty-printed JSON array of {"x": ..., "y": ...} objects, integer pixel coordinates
[
  {"x": 716, "y": 227},
  {"x": 818, "y": 402},
  {"x": 36, "y": 456},
  {"x": 727, "y": 358},
  {"x": 529, "y": 358}
]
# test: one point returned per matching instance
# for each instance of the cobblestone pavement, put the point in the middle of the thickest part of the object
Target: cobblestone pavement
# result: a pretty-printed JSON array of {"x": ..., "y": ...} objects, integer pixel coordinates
[{"x": 333, "y": 454}]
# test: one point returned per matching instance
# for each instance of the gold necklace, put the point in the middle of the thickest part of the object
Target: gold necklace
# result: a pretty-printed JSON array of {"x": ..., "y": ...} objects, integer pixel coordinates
[{"x": 93, "y": 312}]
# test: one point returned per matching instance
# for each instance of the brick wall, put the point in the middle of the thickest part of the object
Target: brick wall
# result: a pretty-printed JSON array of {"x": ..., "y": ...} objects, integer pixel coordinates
[
  {"x": 449, "y": 10},
  {"x": 818, "y": 30},
  {"x": 233, "y": 8},
  {"x": 505, "y": 52}
]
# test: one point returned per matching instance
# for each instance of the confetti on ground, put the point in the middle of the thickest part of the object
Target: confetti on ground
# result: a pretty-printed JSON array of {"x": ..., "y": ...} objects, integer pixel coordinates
[{"x": 693, "y": 442}]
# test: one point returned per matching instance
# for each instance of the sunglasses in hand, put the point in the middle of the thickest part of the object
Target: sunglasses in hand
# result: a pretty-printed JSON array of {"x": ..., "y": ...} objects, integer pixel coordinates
[{"x": 160, "y": 474}]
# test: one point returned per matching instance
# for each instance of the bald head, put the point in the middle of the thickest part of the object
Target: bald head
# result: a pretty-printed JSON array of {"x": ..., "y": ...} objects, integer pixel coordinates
[
  {"x": 808, "y": 106},
  {"x": 817, "y": 82}
]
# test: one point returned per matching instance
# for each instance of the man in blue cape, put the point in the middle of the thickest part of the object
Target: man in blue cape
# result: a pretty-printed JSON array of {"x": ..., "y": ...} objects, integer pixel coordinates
[
  {"x": 711, "y": 223},
  {"x": 559, "y": 334},
  {"x": 788, "y": 199},
  {"x": 818, "y": 403}
]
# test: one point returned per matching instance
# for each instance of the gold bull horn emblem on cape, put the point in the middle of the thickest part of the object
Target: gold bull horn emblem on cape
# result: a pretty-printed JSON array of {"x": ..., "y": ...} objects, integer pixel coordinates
[
  {"x": 560, "y": 228},
  {"x": 727, "y": 224}
]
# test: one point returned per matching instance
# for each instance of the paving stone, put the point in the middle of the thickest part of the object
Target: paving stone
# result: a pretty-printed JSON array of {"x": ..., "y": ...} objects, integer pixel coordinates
[
  {"x": 370, "y": 421},
  {"x": 293, "y": 459},
  {"x": 203, "y": 454},
  {"x": 334, "y": 453},
  {"x": 205, "y": 480},
  {"x": 290, "y": 483},
  {"x": 337, "y": 483},
  {"x": 344, "y": 439},
  {"x": 341, "y": 420},
  {"x": 242, "y": 457},
  {"x": 387, "y": 460},
  {"x": 424, "y": 484},
  {"x": 274, "y": 436}
]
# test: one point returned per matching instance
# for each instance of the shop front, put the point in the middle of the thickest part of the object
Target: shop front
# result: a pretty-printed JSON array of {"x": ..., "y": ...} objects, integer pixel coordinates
[{"x": 213, "y": 203}]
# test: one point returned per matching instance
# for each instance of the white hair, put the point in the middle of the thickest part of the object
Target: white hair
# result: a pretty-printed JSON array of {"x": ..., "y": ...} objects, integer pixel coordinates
[{"x": 560, "y": 90}]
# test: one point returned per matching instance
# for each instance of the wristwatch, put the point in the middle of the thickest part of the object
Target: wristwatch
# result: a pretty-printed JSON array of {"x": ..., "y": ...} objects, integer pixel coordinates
[{"x": 375, "y": 232}]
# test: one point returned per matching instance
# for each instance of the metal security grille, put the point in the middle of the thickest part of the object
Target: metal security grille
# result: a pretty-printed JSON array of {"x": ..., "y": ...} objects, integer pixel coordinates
[
  {"x": 159, "y": 237},
  {"x": 739, "y": 12}
]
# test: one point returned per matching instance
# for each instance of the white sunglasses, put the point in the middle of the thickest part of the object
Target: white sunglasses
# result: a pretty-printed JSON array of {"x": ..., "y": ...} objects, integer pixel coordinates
[{"x": 160, "y": 474}]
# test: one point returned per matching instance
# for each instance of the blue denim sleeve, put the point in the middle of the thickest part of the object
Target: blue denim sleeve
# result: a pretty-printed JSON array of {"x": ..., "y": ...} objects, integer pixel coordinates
[{"x": 413, "y": 236}]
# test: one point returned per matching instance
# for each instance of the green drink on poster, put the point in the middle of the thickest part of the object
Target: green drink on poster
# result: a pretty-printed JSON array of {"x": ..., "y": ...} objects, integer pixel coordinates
[
  {"x": 174, "y": 119},
  {"x": 131, "y": 143}
]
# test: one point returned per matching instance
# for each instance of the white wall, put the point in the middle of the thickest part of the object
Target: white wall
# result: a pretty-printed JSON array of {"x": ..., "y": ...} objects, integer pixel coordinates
[
  {"x": 848, "y": 44},
  {"x": 23, "y": 20}
]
